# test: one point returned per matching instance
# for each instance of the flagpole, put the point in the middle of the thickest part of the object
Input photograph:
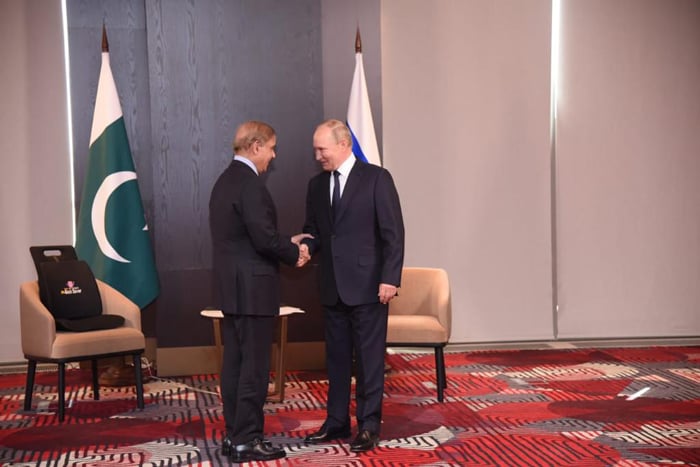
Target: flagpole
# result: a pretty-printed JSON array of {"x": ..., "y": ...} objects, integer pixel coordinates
[{"x": 117, "y": 373}]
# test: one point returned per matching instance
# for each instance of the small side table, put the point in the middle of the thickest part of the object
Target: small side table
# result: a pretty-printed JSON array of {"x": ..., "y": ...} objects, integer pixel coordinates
[{"x": 217, "y": 315}]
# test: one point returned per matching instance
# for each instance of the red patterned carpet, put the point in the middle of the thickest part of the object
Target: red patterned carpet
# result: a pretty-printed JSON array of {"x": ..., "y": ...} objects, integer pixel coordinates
[{"x": 502, "y": 408}]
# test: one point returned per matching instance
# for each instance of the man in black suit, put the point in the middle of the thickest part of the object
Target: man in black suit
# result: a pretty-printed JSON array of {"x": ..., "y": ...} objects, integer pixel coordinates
[
  {"x": 354, "y": 215},
  {"x": 247, "y": 249}
]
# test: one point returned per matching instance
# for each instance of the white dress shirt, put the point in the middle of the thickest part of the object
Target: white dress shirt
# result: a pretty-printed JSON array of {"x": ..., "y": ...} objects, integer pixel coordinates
[{"x": 344, "y": 170}]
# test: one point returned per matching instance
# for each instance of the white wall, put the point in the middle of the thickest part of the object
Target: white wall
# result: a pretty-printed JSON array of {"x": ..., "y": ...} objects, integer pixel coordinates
[
  {"x": 35, "y": 194},
  {"x": 628, "y": 178},
  {"x": 465, "y": 87}
]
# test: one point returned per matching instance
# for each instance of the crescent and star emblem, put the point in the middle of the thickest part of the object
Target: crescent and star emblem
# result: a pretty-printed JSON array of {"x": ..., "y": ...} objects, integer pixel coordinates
[{"x": 99, "y": 206}]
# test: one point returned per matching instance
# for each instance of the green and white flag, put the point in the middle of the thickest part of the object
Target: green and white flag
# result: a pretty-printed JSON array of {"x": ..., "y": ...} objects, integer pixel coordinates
[{"x": 112, "y": 233}]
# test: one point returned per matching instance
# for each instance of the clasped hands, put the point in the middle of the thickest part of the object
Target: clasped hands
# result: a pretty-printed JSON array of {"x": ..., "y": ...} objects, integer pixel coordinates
[{"x": 304, "y": 255}]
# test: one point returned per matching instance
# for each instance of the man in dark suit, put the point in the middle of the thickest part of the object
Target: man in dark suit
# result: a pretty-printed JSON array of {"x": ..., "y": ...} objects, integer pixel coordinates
[
  {"x": 354, "y": 215},
  {"x": 247, "y": 249}
]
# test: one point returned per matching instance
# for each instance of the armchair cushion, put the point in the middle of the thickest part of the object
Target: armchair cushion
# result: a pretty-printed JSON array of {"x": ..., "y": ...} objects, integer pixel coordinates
[
  {"x": 69, "y": 291},
  {"x": 91, "y": 323}
]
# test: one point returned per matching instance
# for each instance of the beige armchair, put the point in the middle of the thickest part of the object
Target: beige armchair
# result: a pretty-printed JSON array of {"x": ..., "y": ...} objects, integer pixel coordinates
[
  {"x": 421, "y": 316},
  {"x": 41, "y": 342}
]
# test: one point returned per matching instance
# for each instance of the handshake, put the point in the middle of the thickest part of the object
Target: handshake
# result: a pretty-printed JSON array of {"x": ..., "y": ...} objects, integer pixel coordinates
[{"x": 304, "y": 255}]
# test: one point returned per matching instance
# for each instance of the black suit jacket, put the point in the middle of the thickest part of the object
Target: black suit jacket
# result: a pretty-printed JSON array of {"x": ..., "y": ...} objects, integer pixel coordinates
[
  {"x": 365, "y": 245},
  {"x": 246, "y": 245}
]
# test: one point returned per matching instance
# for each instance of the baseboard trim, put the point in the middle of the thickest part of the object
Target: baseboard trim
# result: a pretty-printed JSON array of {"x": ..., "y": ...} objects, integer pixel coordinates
[{"x": 575, "y": 344}]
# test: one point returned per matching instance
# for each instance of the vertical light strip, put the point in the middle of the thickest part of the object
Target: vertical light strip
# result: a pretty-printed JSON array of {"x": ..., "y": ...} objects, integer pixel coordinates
[
  {"x": 66, "y": 60},
  {"x": 556, "y": 26},
  {"x": 554, "y": 88}
]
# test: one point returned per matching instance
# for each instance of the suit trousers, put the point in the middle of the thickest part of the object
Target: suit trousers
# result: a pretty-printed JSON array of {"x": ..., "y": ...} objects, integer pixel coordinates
[
  {"x": 245, "y": 374},
  {"x": 358, "y": 330}
]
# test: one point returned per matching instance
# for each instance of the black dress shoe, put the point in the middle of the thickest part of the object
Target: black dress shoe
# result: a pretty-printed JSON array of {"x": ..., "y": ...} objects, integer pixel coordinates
[
  {"x": 325, "y": 435},
  {"x": 256, "y": 450},
  {"x": 226, "y": 446},
  {"x": 365, "y": 441}
]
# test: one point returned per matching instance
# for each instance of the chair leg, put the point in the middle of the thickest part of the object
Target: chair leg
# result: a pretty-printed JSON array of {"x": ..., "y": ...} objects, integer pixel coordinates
[
  {"x": 139, "y": 381},
  {"x": 440, "y": 370},
  {"x": 29, "y": 388},
  {"x": 95, "y": 381},
  {"x": 444, "y": 372},
  {"x": 61, "y": 390}
]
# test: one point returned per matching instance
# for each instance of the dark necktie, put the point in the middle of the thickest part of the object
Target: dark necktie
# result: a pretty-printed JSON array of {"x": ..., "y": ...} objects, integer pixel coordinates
[{"x": 335, "y": 201}]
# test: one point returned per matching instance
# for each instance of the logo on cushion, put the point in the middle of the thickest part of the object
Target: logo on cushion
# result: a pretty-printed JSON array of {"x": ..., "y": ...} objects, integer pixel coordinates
[{"x": 71, "y": 289}]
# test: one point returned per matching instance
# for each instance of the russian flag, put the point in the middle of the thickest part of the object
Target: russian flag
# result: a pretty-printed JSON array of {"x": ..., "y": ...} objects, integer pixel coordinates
[{"x": 360, "y": 122}]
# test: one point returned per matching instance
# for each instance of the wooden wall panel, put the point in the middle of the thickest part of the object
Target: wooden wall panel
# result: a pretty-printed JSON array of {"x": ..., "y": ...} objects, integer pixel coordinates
[
  {"x": 213, "y": 66},
  {"x": 188, "y": 73}
]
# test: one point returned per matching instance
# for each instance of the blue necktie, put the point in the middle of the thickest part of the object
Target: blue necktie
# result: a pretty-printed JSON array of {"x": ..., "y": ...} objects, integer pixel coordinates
[{"x": 335, "y": 201}]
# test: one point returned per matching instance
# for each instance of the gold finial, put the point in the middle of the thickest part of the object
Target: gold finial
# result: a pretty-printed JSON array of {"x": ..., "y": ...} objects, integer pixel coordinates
[
  {"x": 358, "y": 42},
  {"x": 105, "y": 44}
]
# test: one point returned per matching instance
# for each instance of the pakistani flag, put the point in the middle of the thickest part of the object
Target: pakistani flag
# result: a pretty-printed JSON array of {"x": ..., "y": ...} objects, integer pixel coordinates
[
  {"x": 112, "y": 234},
  {"x": 360, "y": 121}
]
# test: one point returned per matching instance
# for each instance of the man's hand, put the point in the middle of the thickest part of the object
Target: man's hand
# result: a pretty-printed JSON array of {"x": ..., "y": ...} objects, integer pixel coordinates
[
  {"x": 304, "y": 255},
  {"x": 386, "y": 293},
  {"x": 296, "y": 239}
]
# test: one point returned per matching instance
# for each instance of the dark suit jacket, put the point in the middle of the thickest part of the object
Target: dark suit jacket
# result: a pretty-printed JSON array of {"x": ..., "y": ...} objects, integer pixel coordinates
[
  {"x": 246, "y": 245},
  {"x": 365, "y": 245}
]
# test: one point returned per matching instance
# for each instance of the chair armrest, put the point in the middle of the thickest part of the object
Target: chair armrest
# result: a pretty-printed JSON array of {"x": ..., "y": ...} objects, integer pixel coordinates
[
  {"x": 115, "y": 303},
  {"x": 37, "y": 325},
  {"x": 445, "y": 313},
  {"x": 442, "y": 300}
]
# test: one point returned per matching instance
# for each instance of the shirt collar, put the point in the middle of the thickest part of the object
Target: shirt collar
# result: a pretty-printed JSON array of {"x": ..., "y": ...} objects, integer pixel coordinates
[
  {"x": 347, "y": 166},
  {"x": 247, "y": 162}
]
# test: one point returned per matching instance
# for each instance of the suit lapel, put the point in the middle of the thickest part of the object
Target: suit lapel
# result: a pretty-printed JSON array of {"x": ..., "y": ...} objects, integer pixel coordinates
[{"x": 326, "y": 188}]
